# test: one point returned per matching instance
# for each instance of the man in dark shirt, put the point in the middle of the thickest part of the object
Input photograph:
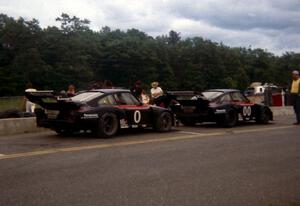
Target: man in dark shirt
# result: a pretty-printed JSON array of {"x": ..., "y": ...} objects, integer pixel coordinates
[
  {"x": 137, "y": 89},
  {"x": 295, "y": 95}
]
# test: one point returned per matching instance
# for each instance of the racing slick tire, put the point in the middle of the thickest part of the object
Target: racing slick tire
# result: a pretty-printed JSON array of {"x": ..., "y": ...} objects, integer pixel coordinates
[
  {"x": 230, "y": 119},
  {"x": 108, "y": 125},
  {"x": 188, "y": 122},
  {"x": 263, "y": 118},
  {"x": 163, "y": 122}
]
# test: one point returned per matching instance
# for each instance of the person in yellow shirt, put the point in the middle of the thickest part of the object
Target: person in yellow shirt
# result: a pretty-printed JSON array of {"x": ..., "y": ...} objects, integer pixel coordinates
[{"x": 295, "y": 95}]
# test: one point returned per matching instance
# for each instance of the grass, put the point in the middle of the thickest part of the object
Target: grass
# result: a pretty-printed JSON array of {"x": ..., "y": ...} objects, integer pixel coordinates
[{"x": 11, "y": 103}]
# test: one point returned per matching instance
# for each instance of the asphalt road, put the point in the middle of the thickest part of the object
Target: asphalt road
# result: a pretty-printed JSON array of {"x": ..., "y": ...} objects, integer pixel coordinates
[{"x": 203, "y": 165}]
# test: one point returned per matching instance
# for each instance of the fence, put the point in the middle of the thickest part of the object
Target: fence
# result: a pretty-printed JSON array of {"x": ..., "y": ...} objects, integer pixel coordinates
[{"x": 15, "y": 102}]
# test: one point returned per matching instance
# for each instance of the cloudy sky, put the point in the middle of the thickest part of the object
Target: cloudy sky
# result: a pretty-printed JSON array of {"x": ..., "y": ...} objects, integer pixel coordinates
[{"x": 270, "y": 24}]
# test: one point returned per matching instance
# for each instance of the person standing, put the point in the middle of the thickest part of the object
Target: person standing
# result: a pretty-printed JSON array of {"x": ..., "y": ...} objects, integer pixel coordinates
[
  {"x": 108, "y": 84},
  {"x": 144, "y": 97},
  {"x": 156, "y": 93},
  {"x": 71, "y": 90},
  {"x": 136, "y": 90},
  {"x": 29, "y": 106},
  {"x": 295, "y": 95}
]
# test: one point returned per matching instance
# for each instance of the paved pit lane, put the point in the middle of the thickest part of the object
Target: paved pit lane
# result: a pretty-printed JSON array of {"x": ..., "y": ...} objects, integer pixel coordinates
[
  {"x": 203, "y": 165},
  {"x": 36, "y": 144}
]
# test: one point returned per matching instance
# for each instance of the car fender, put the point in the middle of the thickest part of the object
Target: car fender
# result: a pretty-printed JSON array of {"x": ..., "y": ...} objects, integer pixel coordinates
[{"x": 268, "y": 111}]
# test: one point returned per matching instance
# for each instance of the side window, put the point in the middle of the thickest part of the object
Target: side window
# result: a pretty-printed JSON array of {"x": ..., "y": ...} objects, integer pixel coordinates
[
  {"x": 126, "y": 99},
  {"x": 238, "y": 97},
  {"x": 108, "y": 100},
  {"x": 225, "y": 98}
]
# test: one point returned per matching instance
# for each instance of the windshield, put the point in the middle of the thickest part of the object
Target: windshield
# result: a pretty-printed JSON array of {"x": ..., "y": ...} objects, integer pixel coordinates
[
  {"x": 211, "y": 95},
  {"x": 86, "y": 96}
]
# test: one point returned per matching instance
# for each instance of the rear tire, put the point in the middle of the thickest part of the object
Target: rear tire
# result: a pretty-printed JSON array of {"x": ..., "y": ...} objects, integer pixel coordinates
[
  {"x": 108, "y": 125},
  {"x": 163, "y": 122}
]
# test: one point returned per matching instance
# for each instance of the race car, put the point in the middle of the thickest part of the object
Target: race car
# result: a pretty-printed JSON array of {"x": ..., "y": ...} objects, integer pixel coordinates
[
  {"x": 223, "y": 106},
  {"x": 103, "y": 111}
]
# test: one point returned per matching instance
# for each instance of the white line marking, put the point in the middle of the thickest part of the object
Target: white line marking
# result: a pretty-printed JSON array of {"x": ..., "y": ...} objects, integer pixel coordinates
[
  {"x": 186, "y": 132},
  {"x": 261, "y": 129}
]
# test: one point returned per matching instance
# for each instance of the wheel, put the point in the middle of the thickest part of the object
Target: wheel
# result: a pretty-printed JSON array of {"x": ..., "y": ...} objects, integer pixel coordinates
[
  {"x": 163, "y": 122},
  {"x": 108, "y": 125},
  {"x": 263, "y": 118},
  {"x": 230, "y": 119},
  {"x": 188, "y": 122}
]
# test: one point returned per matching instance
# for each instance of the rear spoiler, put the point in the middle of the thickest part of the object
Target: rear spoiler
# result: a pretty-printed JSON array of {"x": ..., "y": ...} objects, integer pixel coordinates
[
  {"x": 183, "y": 93},
  {"x": 51, "y": 100},
  {"x": 186, "y": 97}
]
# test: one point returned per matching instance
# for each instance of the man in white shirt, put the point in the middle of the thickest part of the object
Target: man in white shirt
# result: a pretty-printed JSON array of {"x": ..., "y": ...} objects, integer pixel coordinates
[
  {"x": 156, "y": 94},
  {"x": 156, "y": 91},
  {"x": 28, "y": 104}
]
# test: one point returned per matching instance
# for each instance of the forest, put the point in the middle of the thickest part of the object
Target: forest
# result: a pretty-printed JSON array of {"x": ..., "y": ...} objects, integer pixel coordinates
[{"x": 73, "y": 53}]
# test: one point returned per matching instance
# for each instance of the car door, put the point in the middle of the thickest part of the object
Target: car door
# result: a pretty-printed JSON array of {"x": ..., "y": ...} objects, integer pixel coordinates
[
  {"x": 244, "y": 106},
  {"x": 137, "y": 114}
]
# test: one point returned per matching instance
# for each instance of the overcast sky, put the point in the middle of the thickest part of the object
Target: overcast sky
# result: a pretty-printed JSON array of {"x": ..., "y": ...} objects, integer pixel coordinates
[{"x": 268, "y": 24}]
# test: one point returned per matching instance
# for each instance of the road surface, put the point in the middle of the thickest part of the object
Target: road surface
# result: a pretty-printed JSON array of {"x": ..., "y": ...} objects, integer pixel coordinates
[{"x": 203, "y": 165}]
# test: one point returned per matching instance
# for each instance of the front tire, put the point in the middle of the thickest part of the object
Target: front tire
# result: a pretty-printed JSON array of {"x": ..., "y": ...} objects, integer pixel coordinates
[
  {"x": 263, "y": 118},
  {"x": 108, "y": 125},
  {"x": 230, "y": 119},
  {"x": 163, "y": 122}
]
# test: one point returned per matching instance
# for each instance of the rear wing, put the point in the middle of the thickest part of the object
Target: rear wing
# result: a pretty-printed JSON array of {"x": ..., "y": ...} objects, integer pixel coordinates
[
  {"x": 183, "y": 93},
  {"x": 188, "y": 98},
  {"x": 50, "y": 100}
]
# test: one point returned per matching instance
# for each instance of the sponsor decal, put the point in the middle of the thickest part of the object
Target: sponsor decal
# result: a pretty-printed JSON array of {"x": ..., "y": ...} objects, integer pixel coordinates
[
  {"x": 90, "y": 116},
  {"x": 137, "y": 116},
  {"x": 64, "y": 98},
  {"x": 123, "y": 124},
  {"x": 220, "y": 111},
  {"x": 247, "y": 111}
]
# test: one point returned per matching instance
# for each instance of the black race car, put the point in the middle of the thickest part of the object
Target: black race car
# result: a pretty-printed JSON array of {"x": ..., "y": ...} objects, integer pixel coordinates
[
  {"x": 223, "y": 106},
  {"x": 102, "y": 111}
]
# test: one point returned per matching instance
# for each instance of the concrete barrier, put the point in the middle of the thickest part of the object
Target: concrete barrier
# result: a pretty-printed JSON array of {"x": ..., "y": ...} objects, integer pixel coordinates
[
  {"x": 18, "y": 125},
  {"x": 28, "y": 125},
  {"x": 282, "y": 111}
]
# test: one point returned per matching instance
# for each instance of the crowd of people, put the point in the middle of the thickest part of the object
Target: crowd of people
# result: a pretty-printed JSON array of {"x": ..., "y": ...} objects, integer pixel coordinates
[{"x": 156, "y": 93}]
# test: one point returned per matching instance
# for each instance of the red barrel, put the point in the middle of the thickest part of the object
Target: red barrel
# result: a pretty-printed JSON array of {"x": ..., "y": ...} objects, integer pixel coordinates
[{"x": 277, "y": 100}]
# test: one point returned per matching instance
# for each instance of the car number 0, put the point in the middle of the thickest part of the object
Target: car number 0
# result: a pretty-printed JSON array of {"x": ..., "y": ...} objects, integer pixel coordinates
[
  {"x": 247, "y": 111},
  {"x": 137, "y": 116}
]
